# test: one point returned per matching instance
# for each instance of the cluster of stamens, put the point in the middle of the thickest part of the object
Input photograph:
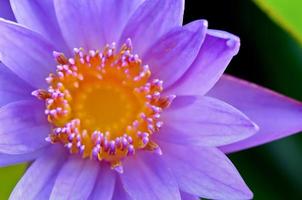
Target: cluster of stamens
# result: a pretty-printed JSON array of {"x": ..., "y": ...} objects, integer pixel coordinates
[{"x": 99, "y": 73}]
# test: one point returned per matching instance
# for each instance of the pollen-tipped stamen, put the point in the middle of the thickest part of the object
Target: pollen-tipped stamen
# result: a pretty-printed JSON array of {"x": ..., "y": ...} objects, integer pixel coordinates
[{"x": 103, "y": 105}]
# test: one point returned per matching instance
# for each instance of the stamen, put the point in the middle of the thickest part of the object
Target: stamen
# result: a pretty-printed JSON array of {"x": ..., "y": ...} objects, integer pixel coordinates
[{"x": 102, "y": 105}]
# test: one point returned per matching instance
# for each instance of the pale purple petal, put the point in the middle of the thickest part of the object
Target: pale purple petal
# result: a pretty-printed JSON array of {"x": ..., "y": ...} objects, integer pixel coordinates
[
  {"x": 205, "y": 172},
  {"x": 146, "y": 177},
  {"x": 104, "y": 186},
  {"x": 23, "y": 127},
  {"x": 119, "y": 191},
  {"x": 26, "y": 53},
  {"x": 40, "y": 16},
  {"x": 39, "y": 175},
  {"x": 186, "y": 196},
  {"x": 8, "y": 159},
  {"x": 117, "y": 14},
  {"x": 46, "y": 191},
  {"x": 152, "y": 20},
  {"x": 6, "y": 10},
  {"x": 80, "y": 23},
  {"x": 214, "y": 56},
  {"x": 171, "y": 56},
  {"x": 12, "y": 88},
  {"x": 92, "y": 24},
  {"x": 276, "y": 115},
  {"x": 204, "y": 121},
  {"x": 76, "y": 178}
]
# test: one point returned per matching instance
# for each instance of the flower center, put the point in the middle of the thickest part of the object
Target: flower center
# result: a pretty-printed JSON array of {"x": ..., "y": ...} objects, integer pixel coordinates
[
  {"x": 103, "y": 105},
  {"x": 106, "y": 106}
]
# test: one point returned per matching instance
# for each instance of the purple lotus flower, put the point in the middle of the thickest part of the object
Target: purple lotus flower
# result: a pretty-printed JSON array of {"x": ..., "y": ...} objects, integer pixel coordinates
[{"x": 116, "y": 100}]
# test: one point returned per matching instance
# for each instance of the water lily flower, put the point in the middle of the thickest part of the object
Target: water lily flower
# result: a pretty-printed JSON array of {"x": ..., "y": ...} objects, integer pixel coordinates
[{"x": 119, "y": 100}]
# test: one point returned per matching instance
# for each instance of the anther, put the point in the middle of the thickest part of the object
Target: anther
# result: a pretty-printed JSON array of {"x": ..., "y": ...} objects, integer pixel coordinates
[
  {"x": 60, "y": 58},
  {"x": 73, "y": 83}
]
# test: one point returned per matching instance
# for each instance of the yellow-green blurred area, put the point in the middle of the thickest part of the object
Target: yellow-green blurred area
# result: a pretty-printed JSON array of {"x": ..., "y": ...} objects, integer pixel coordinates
[
  {"x": 285, "y": 13},
  {"x": 9, "y": 176},
  {"x": 270, "y": 55}
]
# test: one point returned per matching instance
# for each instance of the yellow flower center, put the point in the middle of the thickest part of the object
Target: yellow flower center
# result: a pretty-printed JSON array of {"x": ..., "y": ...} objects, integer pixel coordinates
[{"x": 103, "y": 105}]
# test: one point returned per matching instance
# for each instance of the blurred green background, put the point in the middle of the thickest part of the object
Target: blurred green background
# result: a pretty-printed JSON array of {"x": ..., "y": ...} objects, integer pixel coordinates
[{"x": 270, "y": 55}]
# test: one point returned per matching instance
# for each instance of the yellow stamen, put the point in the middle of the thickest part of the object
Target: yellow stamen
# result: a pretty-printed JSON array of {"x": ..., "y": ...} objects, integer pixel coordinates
[{"x": 103, "y": 105}]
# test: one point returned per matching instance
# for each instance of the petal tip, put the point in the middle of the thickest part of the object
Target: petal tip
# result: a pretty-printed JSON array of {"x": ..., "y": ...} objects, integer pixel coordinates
[
  {"x": 196, "y": 26},
  {"x": 205, "y": 23},
  {"x": 249, "y": 194},
  {"x": 234, "y": 43}
]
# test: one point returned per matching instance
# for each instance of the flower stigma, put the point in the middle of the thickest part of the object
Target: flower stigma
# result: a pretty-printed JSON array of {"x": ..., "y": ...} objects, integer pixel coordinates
[{"x": 104, "y": 105}]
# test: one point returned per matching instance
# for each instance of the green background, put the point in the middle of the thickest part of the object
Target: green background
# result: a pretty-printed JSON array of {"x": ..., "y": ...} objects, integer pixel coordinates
[{"x": 269, "y": 56}]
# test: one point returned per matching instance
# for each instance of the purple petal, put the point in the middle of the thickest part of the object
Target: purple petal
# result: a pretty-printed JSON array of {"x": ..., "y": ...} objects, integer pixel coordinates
[
  {"x": 46, "y": 191},
  {"x": 214, "y": 55},
  {"x": 171, "y": 56},
  {"x": 76, "y": 178},
  {"x": 105, "y": 183},
  {"x": 26, "y": 53},
  {"x": 39, "y": 175},
  {"x": 12, "y": 88},
  {"x": 152, "y": 20},
  {"x": 205, "y": 172},
  {"x": 6, "y": 11},
  {"x": 23, "y": 127},
  {"x": 186, "y": 196},
  {"x": 276, "y": 115},
  {"x": 117, "y": 14},
  {"x": 80, "y": 22},
  {"x": 204, "y": 121},
  {"x": 40, "y": 16},
  {"x": 146, "y": 177},
  {"x": 8, "y": 159},
  {"x": 119, "y": 191}
]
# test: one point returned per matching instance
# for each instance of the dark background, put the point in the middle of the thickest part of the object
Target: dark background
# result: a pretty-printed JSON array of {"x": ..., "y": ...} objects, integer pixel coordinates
[{"x": 269, "y": 56}]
